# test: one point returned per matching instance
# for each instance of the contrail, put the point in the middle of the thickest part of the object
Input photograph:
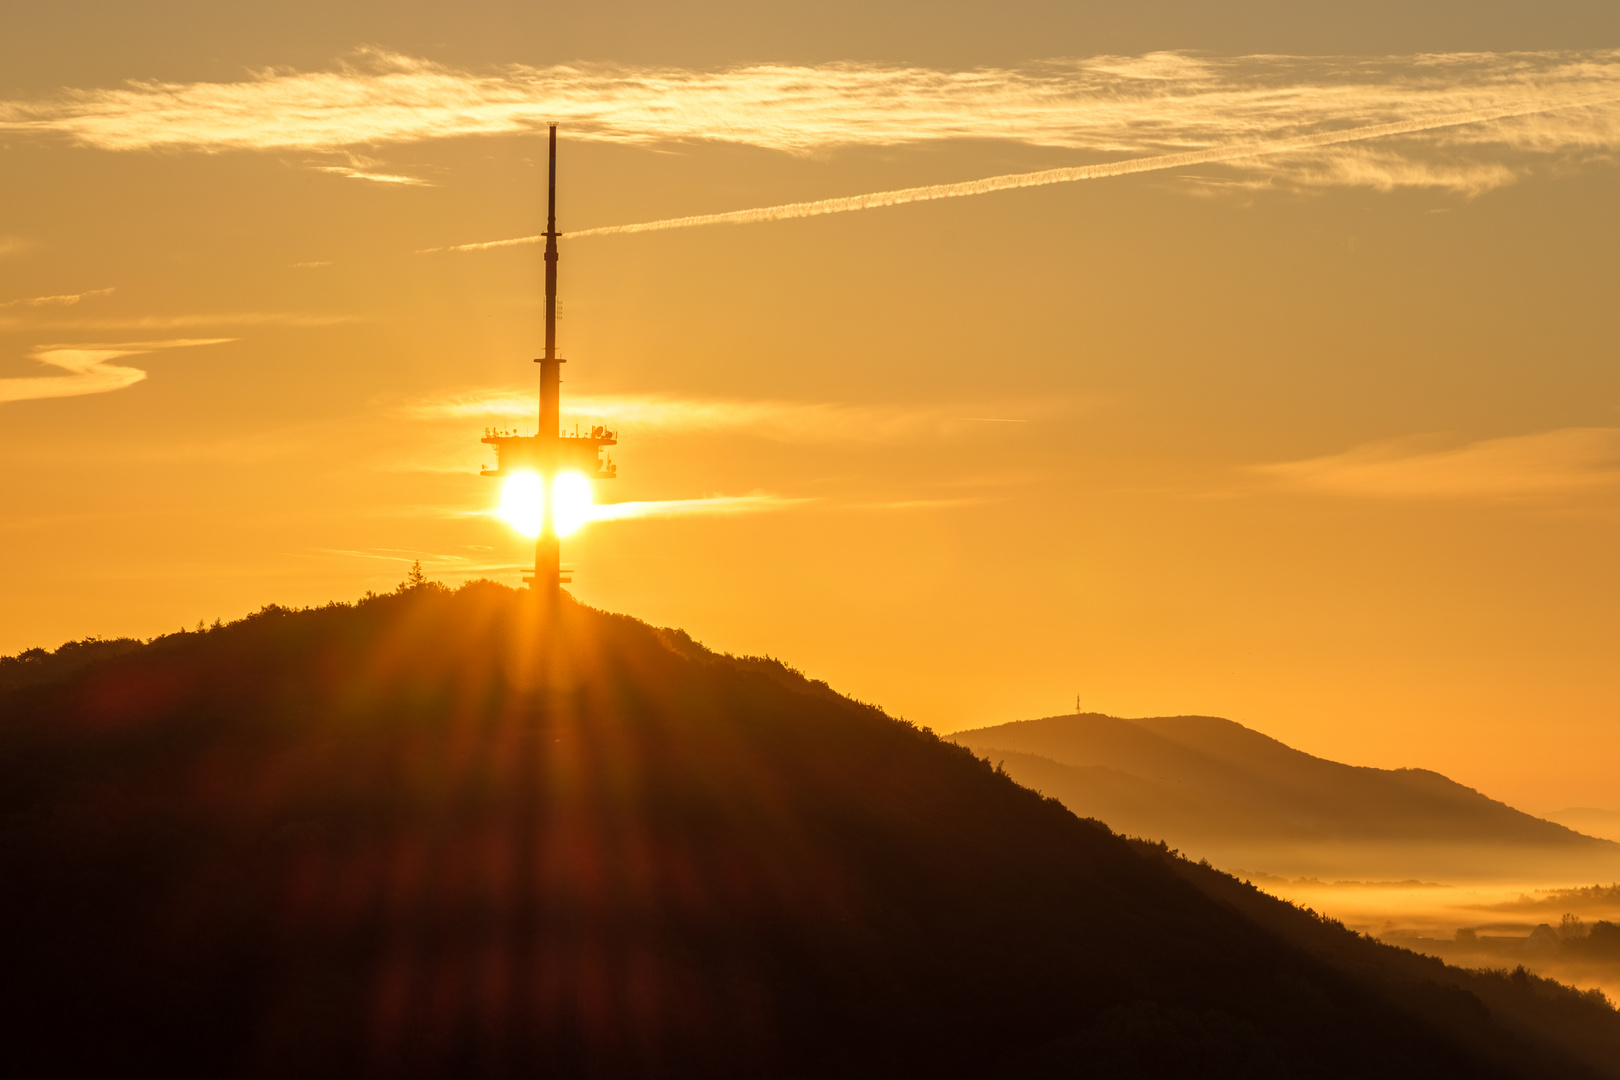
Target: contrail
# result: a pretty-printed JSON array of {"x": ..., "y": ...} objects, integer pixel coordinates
[{"x": 1009, "y": 181}]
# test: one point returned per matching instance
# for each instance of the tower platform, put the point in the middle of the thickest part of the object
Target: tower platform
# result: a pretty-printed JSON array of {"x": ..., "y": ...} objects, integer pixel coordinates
[{"x": 550, "y": 456}]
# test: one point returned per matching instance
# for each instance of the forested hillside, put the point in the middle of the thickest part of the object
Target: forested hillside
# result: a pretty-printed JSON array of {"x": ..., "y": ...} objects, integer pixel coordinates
[{"x": 438, "y": 834}]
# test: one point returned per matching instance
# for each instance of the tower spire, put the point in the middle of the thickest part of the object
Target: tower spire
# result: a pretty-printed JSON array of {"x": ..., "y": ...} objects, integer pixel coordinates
[
  {"x": 547, "y": 547},
  {"x": 550, "y": 370},
  {"x": 549, "y": 454}
]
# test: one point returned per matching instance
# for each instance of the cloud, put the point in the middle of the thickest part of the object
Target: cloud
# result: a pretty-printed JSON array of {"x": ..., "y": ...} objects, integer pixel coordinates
[
  {"x": 1408, "y": 173},
  {"x": 363, "y": 168},
  {"x": 758, "y": 502},
  {"x": 182, "y": 322},
  {"x": 63, "y": 300},
  {"x": 788, "y": 421},
  {"x": 10, "y": 245},
  {"x": 930, "y": 504},
  {"x": 1373, "y": 167},
  {"x": 430, "y": 559},
  {"x": 361, "y": 174},
  {"x": 88, "y": 369},
  {"x": 1569, "y": 461},
  {"x": 1158, "y": 104}
]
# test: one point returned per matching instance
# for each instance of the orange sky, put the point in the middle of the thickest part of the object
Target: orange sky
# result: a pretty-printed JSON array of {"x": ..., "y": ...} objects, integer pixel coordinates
[{"x": 1326, "y": 442}]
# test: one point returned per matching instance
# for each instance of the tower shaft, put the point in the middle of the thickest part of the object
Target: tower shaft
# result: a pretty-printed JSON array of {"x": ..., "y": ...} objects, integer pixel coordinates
[
  {"x": 547, "y": 548},
  {"x": 550, "y": 366},
  {"x": 549, "y": 452}
]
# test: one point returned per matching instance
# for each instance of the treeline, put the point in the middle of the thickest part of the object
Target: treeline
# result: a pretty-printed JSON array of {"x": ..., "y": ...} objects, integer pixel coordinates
[
  {"x": 1565, "y": 1020},
  {"x": 1601, "y": 940},
  {"x": 40, "y": 665},
  {"x": 1572, "y": 939}
]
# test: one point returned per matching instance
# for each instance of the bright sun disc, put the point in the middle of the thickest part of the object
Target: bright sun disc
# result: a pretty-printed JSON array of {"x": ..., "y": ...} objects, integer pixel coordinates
[
  {"x": 570, "y": 503},
  {"x": 523, "y": 502}
]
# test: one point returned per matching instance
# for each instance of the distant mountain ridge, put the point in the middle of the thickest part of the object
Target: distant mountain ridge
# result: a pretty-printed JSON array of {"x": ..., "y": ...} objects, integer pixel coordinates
[
  {"x": 1208, "y": 784},
  {"x": 1589, "y": 820}
]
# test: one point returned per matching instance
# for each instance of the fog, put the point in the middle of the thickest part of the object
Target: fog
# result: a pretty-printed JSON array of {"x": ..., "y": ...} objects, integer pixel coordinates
[
  {"x": 1406, "y": 855},
  {"x": 1482, "y": 925}
]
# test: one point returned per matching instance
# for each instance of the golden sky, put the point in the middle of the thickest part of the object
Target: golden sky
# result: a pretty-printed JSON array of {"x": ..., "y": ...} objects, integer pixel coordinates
[{"x": 1319, "y": 435}]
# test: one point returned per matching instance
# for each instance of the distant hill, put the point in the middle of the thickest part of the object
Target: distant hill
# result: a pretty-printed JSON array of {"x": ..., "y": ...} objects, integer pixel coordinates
[
  {"x": 435, "y": 835},
  {"x": 1217, "y": 789},
  {"x": 1590, "y": 820}
]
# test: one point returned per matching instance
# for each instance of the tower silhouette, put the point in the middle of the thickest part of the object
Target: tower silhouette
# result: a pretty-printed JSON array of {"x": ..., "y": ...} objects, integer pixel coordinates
[{"x": 549, "y": 452}]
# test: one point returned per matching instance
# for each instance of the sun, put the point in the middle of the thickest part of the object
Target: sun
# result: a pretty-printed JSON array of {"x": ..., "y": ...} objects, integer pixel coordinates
[
  {"x": 571, "y": 503},
  {"x": 523, "y": 503}
]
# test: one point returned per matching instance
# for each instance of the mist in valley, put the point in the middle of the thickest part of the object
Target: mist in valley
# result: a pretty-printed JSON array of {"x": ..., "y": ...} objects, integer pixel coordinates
[{"x": 1405, "y": 855}]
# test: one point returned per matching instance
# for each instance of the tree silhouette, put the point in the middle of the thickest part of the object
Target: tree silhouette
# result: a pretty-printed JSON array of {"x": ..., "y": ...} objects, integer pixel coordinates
[{"x": 414, "y": 578}]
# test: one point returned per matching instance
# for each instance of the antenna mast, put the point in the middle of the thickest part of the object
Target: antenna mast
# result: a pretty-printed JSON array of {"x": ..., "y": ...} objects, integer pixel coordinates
[
  {"x": 550, "y": 369},
  {"x": 548, "y": 452},
  {"x": 547, "y": 548}
]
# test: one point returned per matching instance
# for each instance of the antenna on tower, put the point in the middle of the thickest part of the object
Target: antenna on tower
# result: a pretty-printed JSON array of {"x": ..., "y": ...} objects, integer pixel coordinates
[
  {"x": 548, "y": 577},
  {"x": 549, "y": 453}
]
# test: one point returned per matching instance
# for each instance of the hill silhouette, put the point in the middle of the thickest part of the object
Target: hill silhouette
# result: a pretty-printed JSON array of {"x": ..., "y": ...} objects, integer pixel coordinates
[
  {"x": 1589, "y": 820},
  {"x": 1218, "y": 789},
  {"x": 432, "y": 834}
]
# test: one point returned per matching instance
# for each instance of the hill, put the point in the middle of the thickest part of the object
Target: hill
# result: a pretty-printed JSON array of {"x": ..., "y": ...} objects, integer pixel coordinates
[
  {"x": 1589, "y": 820},
  {"x": 433, "y": 834},
  {"x": 1218, "y": 789}
]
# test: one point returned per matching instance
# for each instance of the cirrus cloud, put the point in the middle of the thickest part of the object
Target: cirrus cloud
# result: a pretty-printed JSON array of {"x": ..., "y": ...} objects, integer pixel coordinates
[
  {"x": 785, "y": 421},
  {"x": 59, "y": 300},
  {"x": 1550, "y": 464},
  {"x": 1156, "y": 104},
  {"x": 89, "y": 369}
]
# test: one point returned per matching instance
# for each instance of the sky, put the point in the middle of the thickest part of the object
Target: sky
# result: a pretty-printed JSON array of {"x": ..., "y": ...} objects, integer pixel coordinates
[{"x": 1306, "y": 415}]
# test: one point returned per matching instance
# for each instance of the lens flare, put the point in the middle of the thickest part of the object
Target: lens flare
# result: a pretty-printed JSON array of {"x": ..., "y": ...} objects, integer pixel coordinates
[
  {"x": 523, "y": 502},
  {"x": 571, "y": 503}
]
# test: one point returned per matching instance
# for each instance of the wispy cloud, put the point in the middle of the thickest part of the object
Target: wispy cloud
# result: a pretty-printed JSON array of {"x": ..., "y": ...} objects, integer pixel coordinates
[
  {"x": 1408, "y": 173},
  {"x": 791, "y": 421},
  {"x": 10, "y": 245},
  {"x": 1112, "y": 104},
  {"x": 1549, "y": 464},
  {"x": 361, "y": 174},
  {"x": 396, "y": 562},
  {"x": 1376, "y": 167},
  {"x": 1158, "y": 104},
  {"x": 930, "y": 504},
  {"x": 177, "y": 322},
  {"x": 486, "y": 403},
  {"x": 88, "y": 369},
  {"x": 756, "y": 503},
  {"x": 431, "y": 560},
  {"x": 362, "y": 168},
  {"x": 61, "y": 300}
]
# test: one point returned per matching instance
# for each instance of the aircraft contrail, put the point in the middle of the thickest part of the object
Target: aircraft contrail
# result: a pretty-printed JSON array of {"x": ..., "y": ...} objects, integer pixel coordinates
[{"x": 1103, "y": 170}]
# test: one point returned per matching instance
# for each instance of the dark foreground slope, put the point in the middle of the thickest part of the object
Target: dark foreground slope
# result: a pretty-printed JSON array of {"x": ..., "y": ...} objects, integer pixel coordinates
[
  {"x": 1219, "y": 789},
  {"x": 428, "y": 835}
]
